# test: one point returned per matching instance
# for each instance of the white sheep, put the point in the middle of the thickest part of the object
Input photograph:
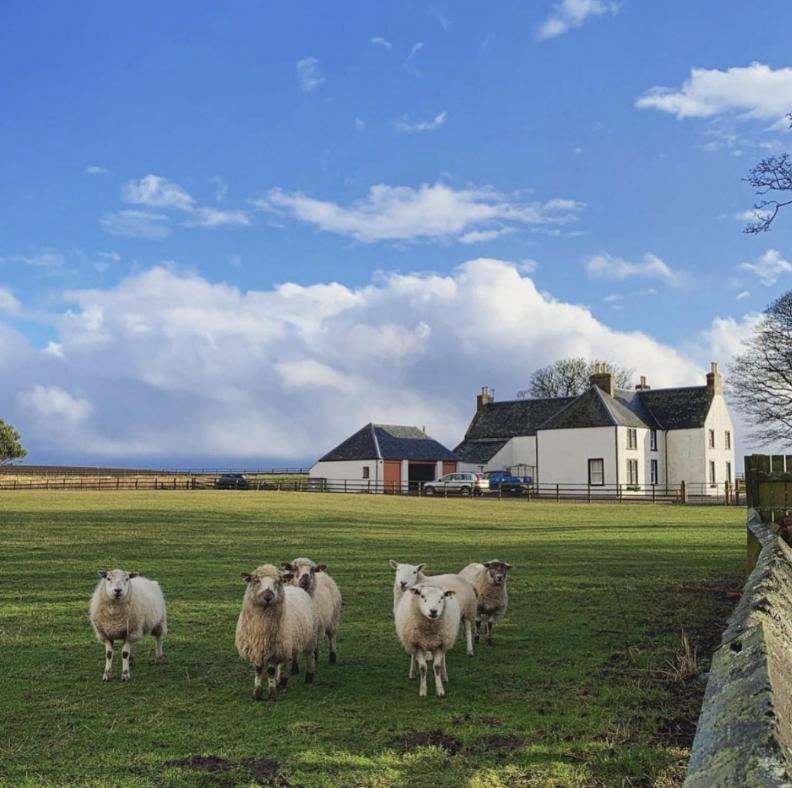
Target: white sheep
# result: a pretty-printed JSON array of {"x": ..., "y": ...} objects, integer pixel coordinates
[
  {"x": 126, "y": 607},
  {"x": 409, "y": 575},
  {"x": 427, "y": 623},
  {"x": 277, "y": 623},
  {"x": 489, "y": 580},
  {"x": 326, "y": 597}
]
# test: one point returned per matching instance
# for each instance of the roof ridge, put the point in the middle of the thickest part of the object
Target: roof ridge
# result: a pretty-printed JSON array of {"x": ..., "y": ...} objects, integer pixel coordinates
[
  {"x": 558, "y": 413},
  {"x": 601, "y": 394},
  {"x": 376, "y": 440}
]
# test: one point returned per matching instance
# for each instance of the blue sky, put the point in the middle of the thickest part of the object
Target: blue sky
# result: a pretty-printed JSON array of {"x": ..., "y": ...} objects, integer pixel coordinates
[{"x": 183, "y": 184}]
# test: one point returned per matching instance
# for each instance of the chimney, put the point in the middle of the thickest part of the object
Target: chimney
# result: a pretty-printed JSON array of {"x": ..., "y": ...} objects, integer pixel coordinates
[
  {"x": 483, "y": 399},
  {"x": 715, "y": 379},
  {"x": 643, "y": 385},
  {"x": 603, "y": 379}
]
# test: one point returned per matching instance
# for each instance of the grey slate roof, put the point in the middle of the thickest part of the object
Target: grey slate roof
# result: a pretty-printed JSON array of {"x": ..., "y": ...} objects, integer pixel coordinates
[
  {"x": 389, "y": 442},
  {"x": 514, "y": 417},
  {"x": 479, "y": 452},
  {"x": 679, "y": 409}
]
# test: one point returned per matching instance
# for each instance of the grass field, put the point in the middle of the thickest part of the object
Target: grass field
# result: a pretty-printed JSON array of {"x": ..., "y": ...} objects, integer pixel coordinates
[{"x": 579, "y": 688}]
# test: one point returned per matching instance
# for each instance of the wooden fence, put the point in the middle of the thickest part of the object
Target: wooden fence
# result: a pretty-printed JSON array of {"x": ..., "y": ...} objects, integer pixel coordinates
[{"x": 768, "y": 484}]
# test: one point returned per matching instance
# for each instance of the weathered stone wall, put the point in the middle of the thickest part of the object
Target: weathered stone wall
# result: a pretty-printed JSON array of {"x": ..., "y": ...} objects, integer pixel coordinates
[{"x": 744, "y": 733}]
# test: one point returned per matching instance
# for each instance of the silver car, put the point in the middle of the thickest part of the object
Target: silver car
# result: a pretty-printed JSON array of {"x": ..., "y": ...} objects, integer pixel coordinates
[{"x": 457, "y": 484}]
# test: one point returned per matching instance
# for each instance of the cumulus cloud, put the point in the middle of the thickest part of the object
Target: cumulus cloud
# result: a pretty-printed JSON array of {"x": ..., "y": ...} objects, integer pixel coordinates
[
  {"x": 8, "y": 302},
  {"x": 154, "y": 191},
  {"x": 604, "y": 266},
  {"x": 309, "y": 74},
  {"x": 406, "y": 126},
  {"x": 755, "y": 91},
  {"x": 168, "y": 365},
  {"x": 428, "y": 212},
  {"x": 569, "y": 14},
  {"x": 768, "y": 268}
]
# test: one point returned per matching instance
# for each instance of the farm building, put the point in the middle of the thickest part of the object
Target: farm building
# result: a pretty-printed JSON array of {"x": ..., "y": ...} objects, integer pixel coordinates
[
  {"x": 386, "y": 457},
  {"x": 607, "y": 436}
]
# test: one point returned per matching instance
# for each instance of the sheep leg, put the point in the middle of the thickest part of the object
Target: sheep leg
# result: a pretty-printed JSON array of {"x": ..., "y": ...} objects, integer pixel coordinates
[
  {"x": 295, "y": 668},
  {"x": 125, "y": 654},
  {"x": 282, "y": 676},
  {"x": 489, "y": 631},
  {"x": 108, "y": 671},
  {"x": 478, "y": 627},
  {"x": 437, "y": 666},
  {"x": 421, "y": 657},
  {"x": 272, "y": 681},
  {"x": 331, "y": 641},
  {"x": 310, "y": 668},
  {"x": 157, "y": 632},
  {"x": 257, "y": 683},
  {"x": 412, "y": 665},
  {"x": 445, "y": 669},
  {"x": 469, "y": 637}
]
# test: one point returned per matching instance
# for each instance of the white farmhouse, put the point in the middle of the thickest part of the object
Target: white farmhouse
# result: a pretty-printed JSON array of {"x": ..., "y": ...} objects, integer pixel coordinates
[{"x": 609, "y": 437}]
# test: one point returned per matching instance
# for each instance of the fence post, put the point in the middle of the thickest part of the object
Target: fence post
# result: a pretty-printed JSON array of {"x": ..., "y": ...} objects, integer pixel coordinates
[
  {"x": 619, "y": 492},
  {"x": 558, "y": 493},
  {"x": 588, "y": 488},
  {"x": 654, "y": 489},
  {"x": 682, "y": 492},
  {"x": 345, "y": 485}
]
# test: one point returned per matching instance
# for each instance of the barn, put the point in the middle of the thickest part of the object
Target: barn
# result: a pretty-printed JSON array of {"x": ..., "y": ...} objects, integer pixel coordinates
[{"x": 386, "y": 458}]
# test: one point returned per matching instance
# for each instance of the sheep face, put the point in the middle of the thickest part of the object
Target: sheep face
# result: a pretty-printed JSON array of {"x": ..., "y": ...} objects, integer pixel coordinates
[
  {"x": 498, "y": 571},
  {"x": 266, "y": 588},
  {"x": 431, "y": 600},
  {"x": 116, "y": 583},
  {"x": 305, "y": 572},
  {"x": 406, "y": 574}
]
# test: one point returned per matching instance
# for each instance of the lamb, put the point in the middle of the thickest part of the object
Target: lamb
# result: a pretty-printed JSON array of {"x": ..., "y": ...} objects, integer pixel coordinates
[
  {"x": 125, "y": 606},
  {"x": 322, "y": 589},
  {"x": 408, "y": 575},
  {"x": 489, "y": 580},
  {"x": 427, "y": 623},
  {"x": 277, "y": 622}
]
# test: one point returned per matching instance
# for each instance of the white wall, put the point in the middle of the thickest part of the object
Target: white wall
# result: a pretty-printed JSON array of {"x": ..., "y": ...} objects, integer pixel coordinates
[
  {"x": 347, "y": 469},
  {"x": 563, "y": 455},
  {"x": 518, "y": 451},
  {"x": 644, "y": 454}
]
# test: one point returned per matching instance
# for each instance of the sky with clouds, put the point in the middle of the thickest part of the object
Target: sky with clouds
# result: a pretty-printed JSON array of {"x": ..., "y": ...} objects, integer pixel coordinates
[{"x": 232, "y": 236}]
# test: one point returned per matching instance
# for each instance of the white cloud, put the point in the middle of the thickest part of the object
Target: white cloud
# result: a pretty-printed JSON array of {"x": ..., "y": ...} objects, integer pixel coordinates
[
  {"x": 605, "y": 266},
  {"x": 133, "y": 223},
  {"x": 479, "y": 236},
  {"x": 95, "y": 169},
  {"x": 428, "y": 212},
  {"x": 8, "y": 302},
  {"x": 568, "y": 14},
  {"x": 153, "y": 191},
  {"x": 408, "y": 61},
  {"x": 380, "y": 42},
  {"x": 768, "y": 268},
  {"x": 755, "y": 91},
  {"x": 742, "y": 294},
  {"x": 214, "y": 217},
  {"x": 406, "y": 126},
  {"x": 172, "y": 366},
  {"x": 309, "y": 74}
]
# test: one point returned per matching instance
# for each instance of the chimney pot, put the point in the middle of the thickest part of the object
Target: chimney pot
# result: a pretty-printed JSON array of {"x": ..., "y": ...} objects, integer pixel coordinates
[{"x": 714, "y": 378}]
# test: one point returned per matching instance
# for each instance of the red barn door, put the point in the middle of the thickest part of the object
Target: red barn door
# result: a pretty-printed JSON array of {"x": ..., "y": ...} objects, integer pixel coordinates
[{"x": 391, "y": 476}]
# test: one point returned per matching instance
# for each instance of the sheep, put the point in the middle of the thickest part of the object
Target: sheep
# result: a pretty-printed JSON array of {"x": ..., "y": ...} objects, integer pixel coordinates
[
  {"x": 489, "y": 580},
  {"x": 408, "y": 575},
  {"x": 322, "y": 589},
  {"x": 276, "y": 623},
  {"x": 427, "y": 623},
  {"x": 125, "y": 606}
]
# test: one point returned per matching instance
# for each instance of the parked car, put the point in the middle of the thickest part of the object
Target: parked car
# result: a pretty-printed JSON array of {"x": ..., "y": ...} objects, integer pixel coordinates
[
  {"x": 457, "y": 484},
  {"x": 231, "y": 481},
  {"x": 508, "y": 482}
]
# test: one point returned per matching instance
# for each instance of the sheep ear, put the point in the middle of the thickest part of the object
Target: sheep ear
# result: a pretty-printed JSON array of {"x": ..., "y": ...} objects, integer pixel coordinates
[
  {"x": 508, "y": 566},
  {"x": 321, "y": 568},
  {"x": 488, "y": 564},
  {"x": 246, "y": 576},
  {"x": 420, "y": 567},
  {"x": 287, "y": 576},
  {"x": 415, "y": 590},
  {"x": 449, "y": 593},
  {"x": 286, "y": 564},
  {"x": 102, "y": 573},
  {"x": 132, "y": 574},
  {"x": 394, "y": 564}
]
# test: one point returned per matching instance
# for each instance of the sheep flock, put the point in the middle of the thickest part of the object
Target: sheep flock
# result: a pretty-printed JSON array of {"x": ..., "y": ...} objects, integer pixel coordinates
[{"x": 289, "y": 612}]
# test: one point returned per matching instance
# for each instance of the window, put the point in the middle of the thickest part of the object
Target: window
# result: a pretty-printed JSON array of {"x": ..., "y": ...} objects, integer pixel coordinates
[
  {"x": 632, "y": 438},
  {"x": 366, "y": 472},
  {"x": 712, "y": 439},
  {"x": 632, "y": 472},
  {"x": 728, "y": 470},
  {"x": 728, "y": 439},
  {"x": 653, "y": 440},
  {"x": 712, "y": 472},
  {"x": 653, "y": 472},
  {"x": 596, "y": 472}
]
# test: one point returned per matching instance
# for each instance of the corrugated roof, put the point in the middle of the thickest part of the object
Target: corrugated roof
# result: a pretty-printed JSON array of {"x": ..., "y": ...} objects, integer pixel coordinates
[{"x": 389, "y": 442}]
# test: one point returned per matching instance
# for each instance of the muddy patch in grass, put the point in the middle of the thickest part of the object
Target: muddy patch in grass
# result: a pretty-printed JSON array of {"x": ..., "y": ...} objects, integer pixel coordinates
[
  {"x": 261, "y": 771},
  {"x": 264, "y": 771},
  {"x": 501, "y": 744},
  {"x": 411, "y": 741},
  {"x": 211, "y": 764}
]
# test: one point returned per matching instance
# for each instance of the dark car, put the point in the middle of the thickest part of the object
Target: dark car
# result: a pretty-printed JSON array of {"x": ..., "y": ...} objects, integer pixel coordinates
[
  {"x": 508, "y": 483},
  {"x": 231, "y": 481}
]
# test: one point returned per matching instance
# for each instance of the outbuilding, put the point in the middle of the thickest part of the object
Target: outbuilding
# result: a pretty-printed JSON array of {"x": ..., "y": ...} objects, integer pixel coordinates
[{"x": 386, "y": 458}]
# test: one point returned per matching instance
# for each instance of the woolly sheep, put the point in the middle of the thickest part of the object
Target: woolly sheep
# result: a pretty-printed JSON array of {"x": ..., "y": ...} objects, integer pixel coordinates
[
  {"x": 489, "y": 580},
  {"x": 408, "y": 575},
  {"x": 277, "y": 622},
  {"x": 427, "y": 623},
  {"x": 125, "y": 606},
  {"x": 326, "y": 597}
]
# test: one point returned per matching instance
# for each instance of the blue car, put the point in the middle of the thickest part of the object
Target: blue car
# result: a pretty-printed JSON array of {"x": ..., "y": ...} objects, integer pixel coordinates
[{"x": 507, "y": 482}]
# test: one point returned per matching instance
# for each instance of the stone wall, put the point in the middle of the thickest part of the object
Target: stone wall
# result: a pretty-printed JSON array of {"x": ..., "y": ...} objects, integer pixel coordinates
[{"x": 744, "y": 733}]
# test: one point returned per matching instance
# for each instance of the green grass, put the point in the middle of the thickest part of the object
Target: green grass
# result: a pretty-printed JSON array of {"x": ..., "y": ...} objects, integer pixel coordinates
[{"x": 577, "y": 689}]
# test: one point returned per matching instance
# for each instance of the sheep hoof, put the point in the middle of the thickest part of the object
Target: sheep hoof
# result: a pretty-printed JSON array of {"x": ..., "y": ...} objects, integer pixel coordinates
[
  {"x": 125, "y": 676},
  {"x": 332, "y": 658},
  {"x": 284, "y": 680},
  {"x": 471, "y": 653},
  {"x": 107, "y": 675},
  {"x": 271, "y": 695},
  {"x": 489, "y": 641},
  {"x": 441, "y": 693},
  {"x": 309, "y": 677},
  {"x": 295, "y": 669},
  {"x": 257, "y": 693}
]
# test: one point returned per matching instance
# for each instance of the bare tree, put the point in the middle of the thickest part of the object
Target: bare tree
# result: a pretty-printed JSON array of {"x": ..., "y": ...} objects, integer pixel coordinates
[
  {"x": 760, "y": 379},
  {"x": 569, "y": 377},
  {"x": 771, "y": 179}
]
